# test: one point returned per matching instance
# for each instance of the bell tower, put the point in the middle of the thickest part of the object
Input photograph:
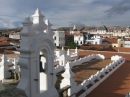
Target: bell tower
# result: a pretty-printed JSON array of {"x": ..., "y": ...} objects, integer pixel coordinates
[
  {"x": 37, "y": 58},
  {"x": 37, "y": 17}
]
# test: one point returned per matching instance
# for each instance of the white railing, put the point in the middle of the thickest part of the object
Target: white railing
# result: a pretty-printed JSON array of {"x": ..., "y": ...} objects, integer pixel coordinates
[
  {"x": 87, "y": 59},
  {"x": 128, "y": 95},
  {"x": 93, "y": 81},
  {"x": 80, "y": 61},
  {"x": 100, "y": 76},
  {"x": 7, "y": 64}
]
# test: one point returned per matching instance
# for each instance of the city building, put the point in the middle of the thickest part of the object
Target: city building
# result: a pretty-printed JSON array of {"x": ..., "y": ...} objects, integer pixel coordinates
[
  {"x": 79, "y": 38},
  {"x": 93, "y": 39},
  {"x": 59, "y": 38},
  {"x": 15, "y": 35}
]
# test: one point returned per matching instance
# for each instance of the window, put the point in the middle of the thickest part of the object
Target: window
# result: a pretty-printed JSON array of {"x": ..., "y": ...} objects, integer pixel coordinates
[
  {"x": 121, "y": 45},
  {"x": 55, "y": 38},
  {"x": 81, "y": 42}
]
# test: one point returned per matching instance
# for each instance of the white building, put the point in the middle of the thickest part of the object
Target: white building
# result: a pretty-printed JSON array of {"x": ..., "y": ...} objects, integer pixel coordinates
[
  {"x": 102, "y": 30},
  {"x": 59, "y": 38},
  {"x": 78, "y": 36},
  {"x": 95, "y": 39},
  {"x": 79, "y": 39},
  {"x": 127, "y": 44},
  {"x": 14, "y": 35},
  {"x": 75, "y": 30}
]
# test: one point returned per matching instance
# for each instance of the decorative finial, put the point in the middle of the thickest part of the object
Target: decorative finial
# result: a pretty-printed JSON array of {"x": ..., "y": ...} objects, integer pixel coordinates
[
  {"x": 47, "y": 22},
  {"x": 62, "y": 48},
  {"x": 68, "y": 52},
  {"x": 37, "y": 17},
  {"x": 74, "y": 28}
]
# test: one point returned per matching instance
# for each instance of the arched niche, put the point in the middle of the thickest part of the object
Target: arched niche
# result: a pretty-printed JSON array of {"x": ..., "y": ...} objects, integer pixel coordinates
[
  {"x": 43, "y": 71},
  {"x": 45, "y": 67}
]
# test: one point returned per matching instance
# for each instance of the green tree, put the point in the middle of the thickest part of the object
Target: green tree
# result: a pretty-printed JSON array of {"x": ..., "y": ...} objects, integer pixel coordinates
[{"x": 71, "y": 45}]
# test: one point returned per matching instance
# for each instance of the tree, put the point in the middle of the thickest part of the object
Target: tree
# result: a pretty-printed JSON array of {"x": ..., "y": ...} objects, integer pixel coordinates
[{"x": 72, "y": 45}]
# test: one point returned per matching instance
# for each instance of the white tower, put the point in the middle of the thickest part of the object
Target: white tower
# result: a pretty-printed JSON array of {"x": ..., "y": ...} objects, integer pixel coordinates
[
  {"x": 37, "y": 17},
  {"x": 37, "y": 59}
]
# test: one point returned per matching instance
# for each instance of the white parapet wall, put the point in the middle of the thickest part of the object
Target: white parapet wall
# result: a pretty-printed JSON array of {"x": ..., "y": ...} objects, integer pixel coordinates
[
  {"x": 62, "y": 56},
  {"x": 4, "y": 73},
  {"x": 100, "y": 76},
  {"x": 80, "y": 61},
  {"x": 93, "y": 81},
  {"x": 68, "y": 75},
  {"x": 7, "y": 64},
  {"x": 87, "y": 59}
]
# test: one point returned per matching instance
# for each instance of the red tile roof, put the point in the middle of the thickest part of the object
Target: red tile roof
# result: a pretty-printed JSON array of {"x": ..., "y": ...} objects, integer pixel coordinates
[{"x": 110, "y": 40}]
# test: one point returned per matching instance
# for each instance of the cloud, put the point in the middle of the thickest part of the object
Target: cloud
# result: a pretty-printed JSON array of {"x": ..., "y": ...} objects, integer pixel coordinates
[
  {"x": 64, "y": 12},
  {"x": 105, "y": 2},
  {"x": 119, "y": 8},
  {"x": 79, "y": 11},
  {"x": 7, "y": 13}
]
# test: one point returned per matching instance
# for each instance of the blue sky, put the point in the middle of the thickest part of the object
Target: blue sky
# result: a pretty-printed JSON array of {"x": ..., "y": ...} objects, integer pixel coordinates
[{"x": 67, "y": 12}]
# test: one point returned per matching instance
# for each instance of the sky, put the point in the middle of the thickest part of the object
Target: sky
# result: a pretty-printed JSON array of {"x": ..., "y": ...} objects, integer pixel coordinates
[{"x": 67, "y": 12}]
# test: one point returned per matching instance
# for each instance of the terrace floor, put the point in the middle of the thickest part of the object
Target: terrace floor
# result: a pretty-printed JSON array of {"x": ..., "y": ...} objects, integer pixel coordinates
[
  {"x": 87, "y": 69},
  {"x": 118, "y": 84}
]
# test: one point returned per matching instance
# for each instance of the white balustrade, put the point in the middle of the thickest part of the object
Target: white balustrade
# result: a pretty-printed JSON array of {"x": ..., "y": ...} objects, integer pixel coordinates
[
  {"x": 7, "y": 64},
  {"x": 118, "y": 60}
]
